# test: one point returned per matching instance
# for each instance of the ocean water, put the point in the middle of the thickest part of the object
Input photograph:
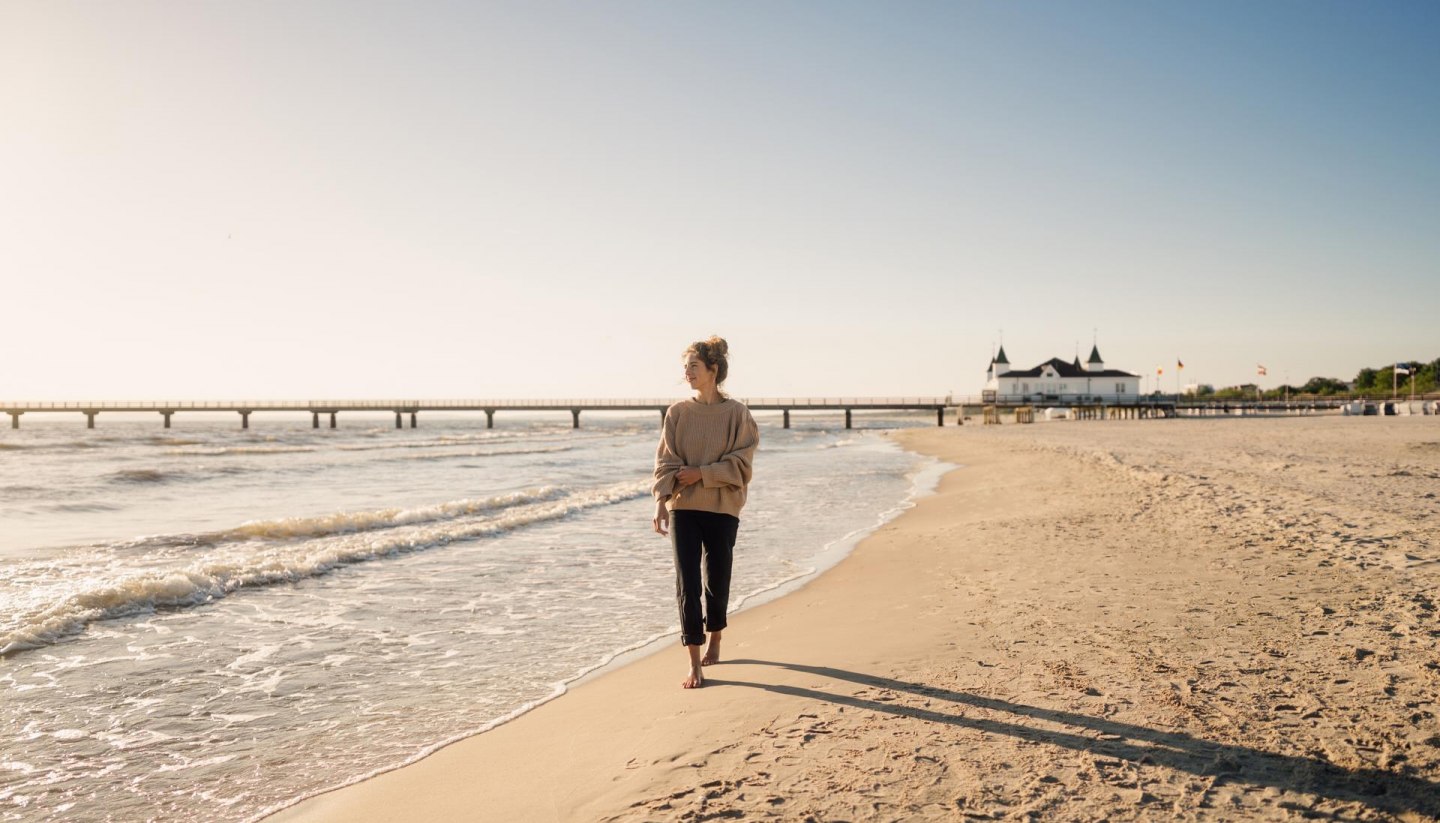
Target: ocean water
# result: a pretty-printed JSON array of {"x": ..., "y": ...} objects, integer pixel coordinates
[{"x": 209, "y": 623}]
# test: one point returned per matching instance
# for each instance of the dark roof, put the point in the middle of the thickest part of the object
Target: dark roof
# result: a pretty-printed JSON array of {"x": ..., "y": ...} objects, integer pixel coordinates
[
  {"x": 1067, "y": 370},
  {"x": 1095, "y": 354},
  {"x": 1000, "y": 358}
]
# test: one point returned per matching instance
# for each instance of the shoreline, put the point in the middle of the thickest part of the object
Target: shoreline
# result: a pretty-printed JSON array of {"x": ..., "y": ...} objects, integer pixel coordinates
[
  {"x": 924, "y": 482},
  {"x": 1113, "y": 620}
]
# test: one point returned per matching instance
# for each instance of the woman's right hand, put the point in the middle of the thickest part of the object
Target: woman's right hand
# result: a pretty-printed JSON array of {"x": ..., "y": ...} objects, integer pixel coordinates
[{"x": 662, "y": 519}]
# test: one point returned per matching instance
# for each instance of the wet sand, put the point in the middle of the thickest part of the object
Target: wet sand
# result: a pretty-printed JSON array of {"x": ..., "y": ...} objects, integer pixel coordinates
[{"x": 1197, "y": 619}]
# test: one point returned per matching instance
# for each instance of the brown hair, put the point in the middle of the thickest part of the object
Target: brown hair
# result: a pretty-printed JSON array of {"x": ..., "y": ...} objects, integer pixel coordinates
[{"x": 714, "y": 353}]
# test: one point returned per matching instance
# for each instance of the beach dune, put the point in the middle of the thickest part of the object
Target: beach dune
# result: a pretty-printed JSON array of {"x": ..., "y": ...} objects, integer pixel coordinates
[{"x": 1202, "y": 619}]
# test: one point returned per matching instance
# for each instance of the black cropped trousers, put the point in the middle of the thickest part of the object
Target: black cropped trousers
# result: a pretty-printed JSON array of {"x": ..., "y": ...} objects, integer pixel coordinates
[{"x": 704, "y": 548}]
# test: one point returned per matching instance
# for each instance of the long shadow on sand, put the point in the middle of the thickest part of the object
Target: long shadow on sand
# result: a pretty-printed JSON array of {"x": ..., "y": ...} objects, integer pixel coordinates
[{"x": 1381, "y": 790}]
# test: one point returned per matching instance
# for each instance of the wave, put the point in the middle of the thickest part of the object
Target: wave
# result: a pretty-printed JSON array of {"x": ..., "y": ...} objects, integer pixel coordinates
[
  {"x": 451, "y": 441},
  {"x": 486, "y": 453},
  {"x": 339, "y": 523},
  {"x": 349, "y": 522},
  {"x": 44, "y": 446},
  {"x": 219, "y": 451},
  {"x": 72, "y": 508},
  {"x": 141, "y": 476},
  {"x": 211, "y": 580},
  {"x": 157, "y": 476}
]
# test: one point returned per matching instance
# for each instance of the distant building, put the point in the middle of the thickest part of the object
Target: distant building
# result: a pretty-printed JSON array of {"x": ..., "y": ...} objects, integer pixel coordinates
[{"x": 1057, "y": 380}]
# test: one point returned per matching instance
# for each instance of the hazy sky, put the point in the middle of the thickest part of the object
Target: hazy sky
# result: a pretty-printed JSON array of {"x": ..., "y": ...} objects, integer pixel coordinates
[{"x": 351, "y": 199}]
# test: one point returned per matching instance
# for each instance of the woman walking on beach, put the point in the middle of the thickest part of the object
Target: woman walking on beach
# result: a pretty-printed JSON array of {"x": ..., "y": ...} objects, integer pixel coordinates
[{"x": 702, "y": 471}]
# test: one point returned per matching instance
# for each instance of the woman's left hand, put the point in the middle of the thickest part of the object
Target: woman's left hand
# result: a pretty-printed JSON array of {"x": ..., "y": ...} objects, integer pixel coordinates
[{"x": 688, "y": 476}]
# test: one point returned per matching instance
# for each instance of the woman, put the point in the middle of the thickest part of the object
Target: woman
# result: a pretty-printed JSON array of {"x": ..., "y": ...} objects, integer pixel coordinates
[{"x": 702, "y": 470}]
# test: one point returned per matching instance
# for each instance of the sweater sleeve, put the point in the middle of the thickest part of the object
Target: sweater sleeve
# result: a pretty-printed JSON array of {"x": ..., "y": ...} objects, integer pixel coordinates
[
  {"x": 734, "y": 467},
  {"x": 667, "y": 463}
]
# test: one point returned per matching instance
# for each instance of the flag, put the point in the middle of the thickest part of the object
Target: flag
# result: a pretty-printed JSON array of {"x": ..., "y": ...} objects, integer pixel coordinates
[
  {"x": 1259, "y": 369},
  {"x": 1179, "y": 364},
  {"x": 1159, "y": 371}
]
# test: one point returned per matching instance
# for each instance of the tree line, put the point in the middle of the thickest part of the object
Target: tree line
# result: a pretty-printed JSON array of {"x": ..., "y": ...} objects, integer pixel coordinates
[{"x": 1368, "y": 382}]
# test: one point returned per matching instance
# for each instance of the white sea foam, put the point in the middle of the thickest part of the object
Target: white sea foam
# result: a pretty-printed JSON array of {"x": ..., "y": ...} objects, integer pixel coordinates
[
  {"x": 268, "y": 564},
  {"x": 345, "y": 522},
  {"x": 293, "y": 528}
]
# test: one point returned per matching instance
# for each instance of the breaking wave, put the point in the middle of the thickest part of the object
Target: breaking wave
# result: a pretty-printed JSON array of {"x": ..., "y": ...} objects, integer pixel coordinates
[
  {"x": 264, "y": 563},
  {"x": 349, "y": 522}
]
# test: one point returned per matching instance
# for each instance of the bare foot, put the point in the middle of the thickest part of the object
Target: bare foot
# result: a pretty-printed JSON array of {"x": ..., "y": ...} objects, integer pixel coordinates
[
  {"x": 712, "y": 652},
  {"x": 695, "y": 680}
]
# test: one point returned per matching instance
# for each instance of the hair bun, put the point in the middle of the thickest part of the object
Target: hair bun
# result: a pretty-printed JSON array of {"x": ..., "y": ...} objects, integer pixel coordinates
[{"x": 713, "y": 352}]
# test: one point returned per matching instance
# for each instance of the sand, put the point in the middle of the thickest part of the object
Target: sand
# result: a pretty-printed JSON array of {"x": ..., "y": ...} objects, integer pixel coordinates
[{"x": 1191, "y": 619}]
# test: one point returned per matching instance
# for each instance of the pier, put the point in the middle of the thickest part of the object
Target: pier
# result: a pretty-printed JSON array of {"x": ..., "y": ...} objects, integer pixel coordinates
[
  {"x": 411, "y": 409},
  {"x": 987, "y": 406}
]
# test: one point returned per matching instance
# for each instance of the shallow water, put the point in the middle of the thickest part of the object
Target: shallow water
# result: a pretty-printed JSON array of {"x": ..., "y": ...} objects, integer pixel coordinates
[{"x": 208, "y": 623}]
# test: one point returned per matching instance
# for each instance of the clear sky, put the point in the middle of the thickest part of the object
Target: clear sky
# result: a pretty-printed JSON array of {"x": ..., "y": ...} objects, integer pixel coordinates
[{"x": 537, "y": 199}]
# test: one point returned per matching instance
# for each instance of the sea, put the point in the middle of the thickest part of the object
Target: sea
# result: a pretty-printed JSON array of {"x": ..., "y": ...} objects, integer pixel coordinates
[{"x": 210, "y": 623}]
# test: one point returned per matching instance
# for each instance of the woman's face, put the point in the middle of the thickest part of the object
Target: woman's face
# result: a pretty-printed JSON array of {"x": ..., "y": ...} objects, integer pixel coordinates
[{"x": 697, "y": 374}]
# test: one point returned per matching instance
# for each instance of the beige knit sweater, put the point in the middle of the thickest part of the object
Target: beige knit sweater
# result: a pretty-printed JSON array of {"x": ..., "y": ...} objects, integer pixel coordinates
[{"x": 720, "y": 441}]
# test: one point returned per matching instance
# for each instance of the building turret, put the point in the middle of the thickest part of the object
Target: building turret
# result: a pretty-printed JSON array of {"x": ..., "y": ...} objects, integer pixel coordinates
[
  {"x": 1095, "y": 363},
  {"x": 1001, "y": 363}
]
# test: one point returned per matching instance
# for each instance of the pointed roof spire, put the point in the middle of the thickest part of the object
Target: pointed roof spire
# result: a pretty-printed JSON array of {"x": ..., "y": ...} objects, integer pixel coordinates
[
  {"x": 1000, "y": 358},
  {"x": 1095, "y": 355}
]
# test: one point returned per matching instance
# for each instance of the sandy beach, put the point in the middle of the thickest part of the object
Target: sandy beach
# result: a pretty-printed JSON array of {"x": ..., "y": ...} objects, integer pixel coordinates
[{"x": 1190, "y": 619}]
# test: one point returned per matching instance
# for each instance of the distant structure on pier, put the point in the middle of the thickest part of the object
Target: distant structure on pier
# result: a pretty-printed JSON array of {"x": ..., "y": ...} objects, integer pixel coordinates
[{"x": 1058, "y": 381}]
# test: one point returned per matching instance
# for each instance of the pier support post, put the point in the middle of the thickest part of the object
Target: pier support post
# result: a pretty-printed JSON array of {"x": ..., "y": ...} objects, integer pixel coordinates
[
  {"x": 489, "y": 418},
  {"x": 940, "y": 417},
  {"x": 15, "y": 419},
  {"x": 398, "y": 424},
  {"x": 332, "y": 419},
  {"x": 244, "y": 419},
  {"x": 575, "y": 413},
  {"x": 414, "y": 418},
  {"x": 847, "y": 418},
  {"x": 166, "y": 415},
  {"x": 90, "y": 419},
  {"x": 787, "y": 418},
  {"x": 314, "y": 420}
]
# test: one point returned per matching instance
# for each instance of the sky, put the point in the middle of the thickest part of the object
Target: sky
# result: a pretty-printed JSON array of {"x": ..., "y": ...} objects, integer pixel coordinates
[{"x": 276, "y": 200}]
